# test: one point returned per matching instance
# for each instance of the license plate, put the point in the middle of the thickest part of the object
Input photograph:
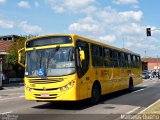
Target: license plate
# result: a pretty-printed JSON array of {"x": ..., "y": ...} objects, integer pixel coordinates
[{"x": 44, "y": 95}]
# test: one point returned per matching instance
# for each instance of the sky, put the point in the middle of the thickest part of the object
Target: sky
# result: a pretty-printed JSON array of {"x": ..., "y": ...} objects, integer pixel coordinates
[{"x": 121, "y": 23}]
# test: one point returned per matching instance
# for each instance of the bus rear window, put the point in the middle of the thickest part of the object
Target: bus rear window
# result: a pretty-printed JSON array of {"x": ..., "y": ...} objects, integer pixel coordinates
[{"x": 52, "y": 40}]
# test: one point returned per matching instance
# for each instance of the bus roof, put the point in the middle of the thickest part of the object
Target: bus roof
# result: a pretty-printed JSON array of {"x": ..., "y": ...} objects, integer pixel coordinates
[{"x": 88, "y": 40}]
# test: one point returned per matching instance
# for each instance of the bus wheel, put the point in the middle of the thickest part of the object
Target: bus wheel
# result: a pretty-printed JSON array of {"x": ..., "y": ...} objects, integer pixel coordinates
[
  {"x": 96, "y": 93},
  {"x": 131, "y": 86}
]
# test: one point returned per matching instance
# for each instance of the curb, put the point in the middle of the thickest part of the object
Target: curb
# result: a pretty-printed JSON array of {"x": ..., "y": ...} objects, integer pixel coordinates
[{"x": 152, "y": 109}]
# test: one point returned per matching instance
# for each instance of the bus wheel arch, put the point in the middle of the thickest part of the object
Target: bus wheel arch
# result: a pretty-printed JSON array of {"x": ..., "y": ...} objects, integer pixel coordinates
[
  {"x": 131, "y": 85},
  {"x": 96, "y": 92}
]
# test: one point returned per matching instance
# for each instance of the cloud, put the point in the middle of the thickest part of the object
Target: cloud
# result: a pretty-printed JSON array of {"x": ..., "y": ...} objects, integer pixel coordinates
[
  {"x": 141, "y": 44},
  {"x": 135, "y": 6},
  {"x": 125, "y": 1},
  {"x": 84, "y": 27},
  {"x": 89, "y": 10},
  {"x": 30, "y": 29},
  {"x": 130, "y": 29},
  {"x": 87, "y": 24},
  {"x": 133, "y": 15},
  {"x": 6, "y": 24},
  {"x": 111, "y": 16},
  {"x": 60, "y": 6},
  {"x": 77, "y": 4},
  {"x": 108, "y": 38},
  {"x": 2, "y": 1},
  {"x": 108, "y": 25},
  {"x": 108, "y": 21},
  {"x": 36, "y": 3},
  {"x": 24, "y": 4}
]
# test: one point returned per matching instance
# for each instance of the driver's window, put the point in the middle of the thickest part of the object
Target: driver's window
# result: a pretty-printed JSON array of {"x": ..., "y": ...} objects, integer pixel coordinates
[{"x": 82, "y": 66}]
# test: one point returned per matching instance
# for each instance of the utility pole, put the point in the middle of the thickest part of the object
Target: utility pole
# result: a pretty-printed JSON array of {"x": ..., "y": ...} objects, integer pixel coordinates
[
  {"x": 145, "y": 53},
  {"x": 0, "y": 72},
  {"x": 157, "y": 61},
  {"x": 123, "y": 42}
]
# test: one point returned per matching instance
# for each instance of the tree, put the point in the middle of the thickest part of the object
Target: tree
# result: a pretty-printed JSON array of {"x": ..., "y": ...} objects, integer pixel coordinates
[{"x": 12, "y": 57}]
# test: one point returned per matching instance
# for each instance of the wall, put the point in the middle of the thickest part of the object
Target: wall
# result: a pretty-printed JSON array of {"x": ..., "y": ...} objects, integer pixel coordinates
[{"x": 152, "y": 65}]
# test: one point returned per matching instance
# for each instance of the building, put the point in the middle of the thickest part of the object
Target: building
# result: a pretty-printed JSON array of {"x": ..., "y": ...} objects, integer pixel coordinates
[
  {"x": 4, "y": 46},
  {"x": 149, "y": 63},
  {"x": 9, "y": 37},
  {"x": 14, "y": 72}
]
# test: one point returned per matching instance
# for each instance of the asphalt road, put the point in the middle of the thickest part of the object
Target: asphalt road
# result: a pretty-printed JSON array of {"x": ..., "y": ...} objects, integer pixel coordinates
[{"x": 111, "y": 107}]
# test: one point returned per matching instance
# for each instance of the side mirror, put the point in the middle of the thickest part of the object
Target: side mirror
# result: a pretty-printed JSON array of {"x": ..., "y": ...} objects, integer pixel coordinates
[
  {"x": 82, "y": 55},
  {"x": 20, "y": 57}
]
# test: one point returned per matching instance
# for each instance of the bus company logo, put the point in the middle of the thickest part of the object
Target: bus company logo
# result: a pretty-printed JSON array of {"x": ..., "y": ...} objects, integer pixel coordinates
[{"x": 44, "y": 88}]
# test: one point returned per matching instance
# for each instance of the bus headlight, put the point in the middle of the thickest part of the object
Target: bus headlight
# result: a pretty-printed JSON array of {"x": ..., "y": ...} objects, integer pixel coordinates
[
  {"x": 26, "y": 87},
  {"x": 71, "y": 84},
  {"x": 61, "y": 89},
  {"x": 30, "y": 89},
  {"x": 67, "y": 87}
]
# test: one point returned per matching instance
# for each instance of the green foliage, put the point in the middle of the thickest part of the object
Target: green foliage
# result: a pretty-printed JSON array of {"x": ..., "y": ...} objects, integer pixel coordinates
[{"x": 12, "y": 57}]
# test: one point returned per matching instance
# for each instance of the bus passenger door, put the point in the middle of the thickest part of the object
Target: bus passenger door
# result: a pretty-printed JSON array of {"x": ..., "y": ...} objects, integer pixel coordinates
[{"x": 82, "y": 68}]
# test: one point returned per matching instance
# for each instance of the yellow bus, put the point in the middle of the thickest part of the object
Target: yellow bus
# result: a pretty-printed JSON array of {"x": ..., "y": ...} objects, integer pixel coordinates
[{"x": 69, "y": 67}]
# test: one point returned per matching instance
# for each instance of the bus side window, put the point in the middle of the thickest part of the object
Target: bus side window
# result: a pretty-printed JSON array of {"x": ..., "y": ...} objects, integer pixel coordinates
[
  {"x": 137, "y": 62},
  {"x": 129, "y": 61},
  {"x": 119, "y": 59},
  {"x": 115, "y": 58},
  {"x": 94, "y": 50},
  {"x": 122, "y": 60},
  {"x": 126, "y": 60},
  {"x": 97, "y": 55},
  {"x": 107, "y": 60},
  {"x": 134, "y": 61},
  {"x": 82, "y": 66}
]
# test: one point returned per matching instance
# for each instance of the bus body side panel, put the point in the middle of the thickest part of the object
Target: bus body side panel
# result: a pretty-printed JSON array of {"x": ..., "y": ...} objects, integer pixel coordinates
[{"x": 137, "y": 79}]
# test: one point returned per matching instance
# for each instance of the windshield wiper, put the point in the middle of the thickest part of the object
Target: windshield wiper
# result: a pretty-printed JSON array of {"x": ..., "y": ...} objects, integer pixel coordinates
[
  {"x": 49, "y": 58},
  {"x": 57, "y": 48},
  {"x": 40, "y": 64}
]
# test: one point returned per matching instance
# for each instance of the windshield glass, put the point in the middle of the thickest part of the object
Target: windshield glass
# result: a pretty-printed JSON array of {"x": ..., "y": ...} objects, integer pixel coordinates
[{"x": 50, "y": 62}]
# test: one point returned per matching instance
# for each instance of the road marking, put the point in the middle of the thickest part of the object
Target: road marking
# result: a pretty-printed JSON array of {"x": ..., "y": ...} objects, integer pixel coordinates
[
  {"x": 21, "y": 96},
  {"x": 138, "y": 90},
  {"x": 10, "y": 94},
  {"x": 133, "y": 110},
  {"x": 6, "y": 113},
  {"x": 11, "y": 98},
  {"x": 149, "y": 106}
]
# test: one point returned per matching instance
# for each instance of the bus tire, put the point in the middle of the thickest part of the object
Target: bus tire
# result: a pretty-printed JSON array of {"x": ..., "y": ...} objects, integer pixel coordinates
[
  {"x": 96, "y": 93},
  {"x": 131, "y": 85}
]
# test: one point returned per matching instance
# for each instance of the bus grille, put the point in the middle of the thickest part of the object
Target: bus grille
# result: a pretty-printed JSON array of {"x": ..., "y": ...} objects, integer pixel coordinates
[
  {"x": 45, "y": 81},
  {"x": 46, "y": 89}
]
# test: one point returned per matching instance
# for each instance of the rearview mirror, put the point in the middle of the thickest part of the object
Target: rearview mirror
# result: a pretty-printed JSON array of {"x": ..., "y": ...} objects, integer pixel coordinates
[{"x": 82, "y": 55}]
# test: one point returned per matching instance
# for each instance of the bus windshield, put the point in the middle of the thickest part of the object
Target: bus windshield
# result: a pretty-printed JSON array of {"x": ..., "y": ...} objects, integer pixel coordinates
[{"x": 50, "y": 62}]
